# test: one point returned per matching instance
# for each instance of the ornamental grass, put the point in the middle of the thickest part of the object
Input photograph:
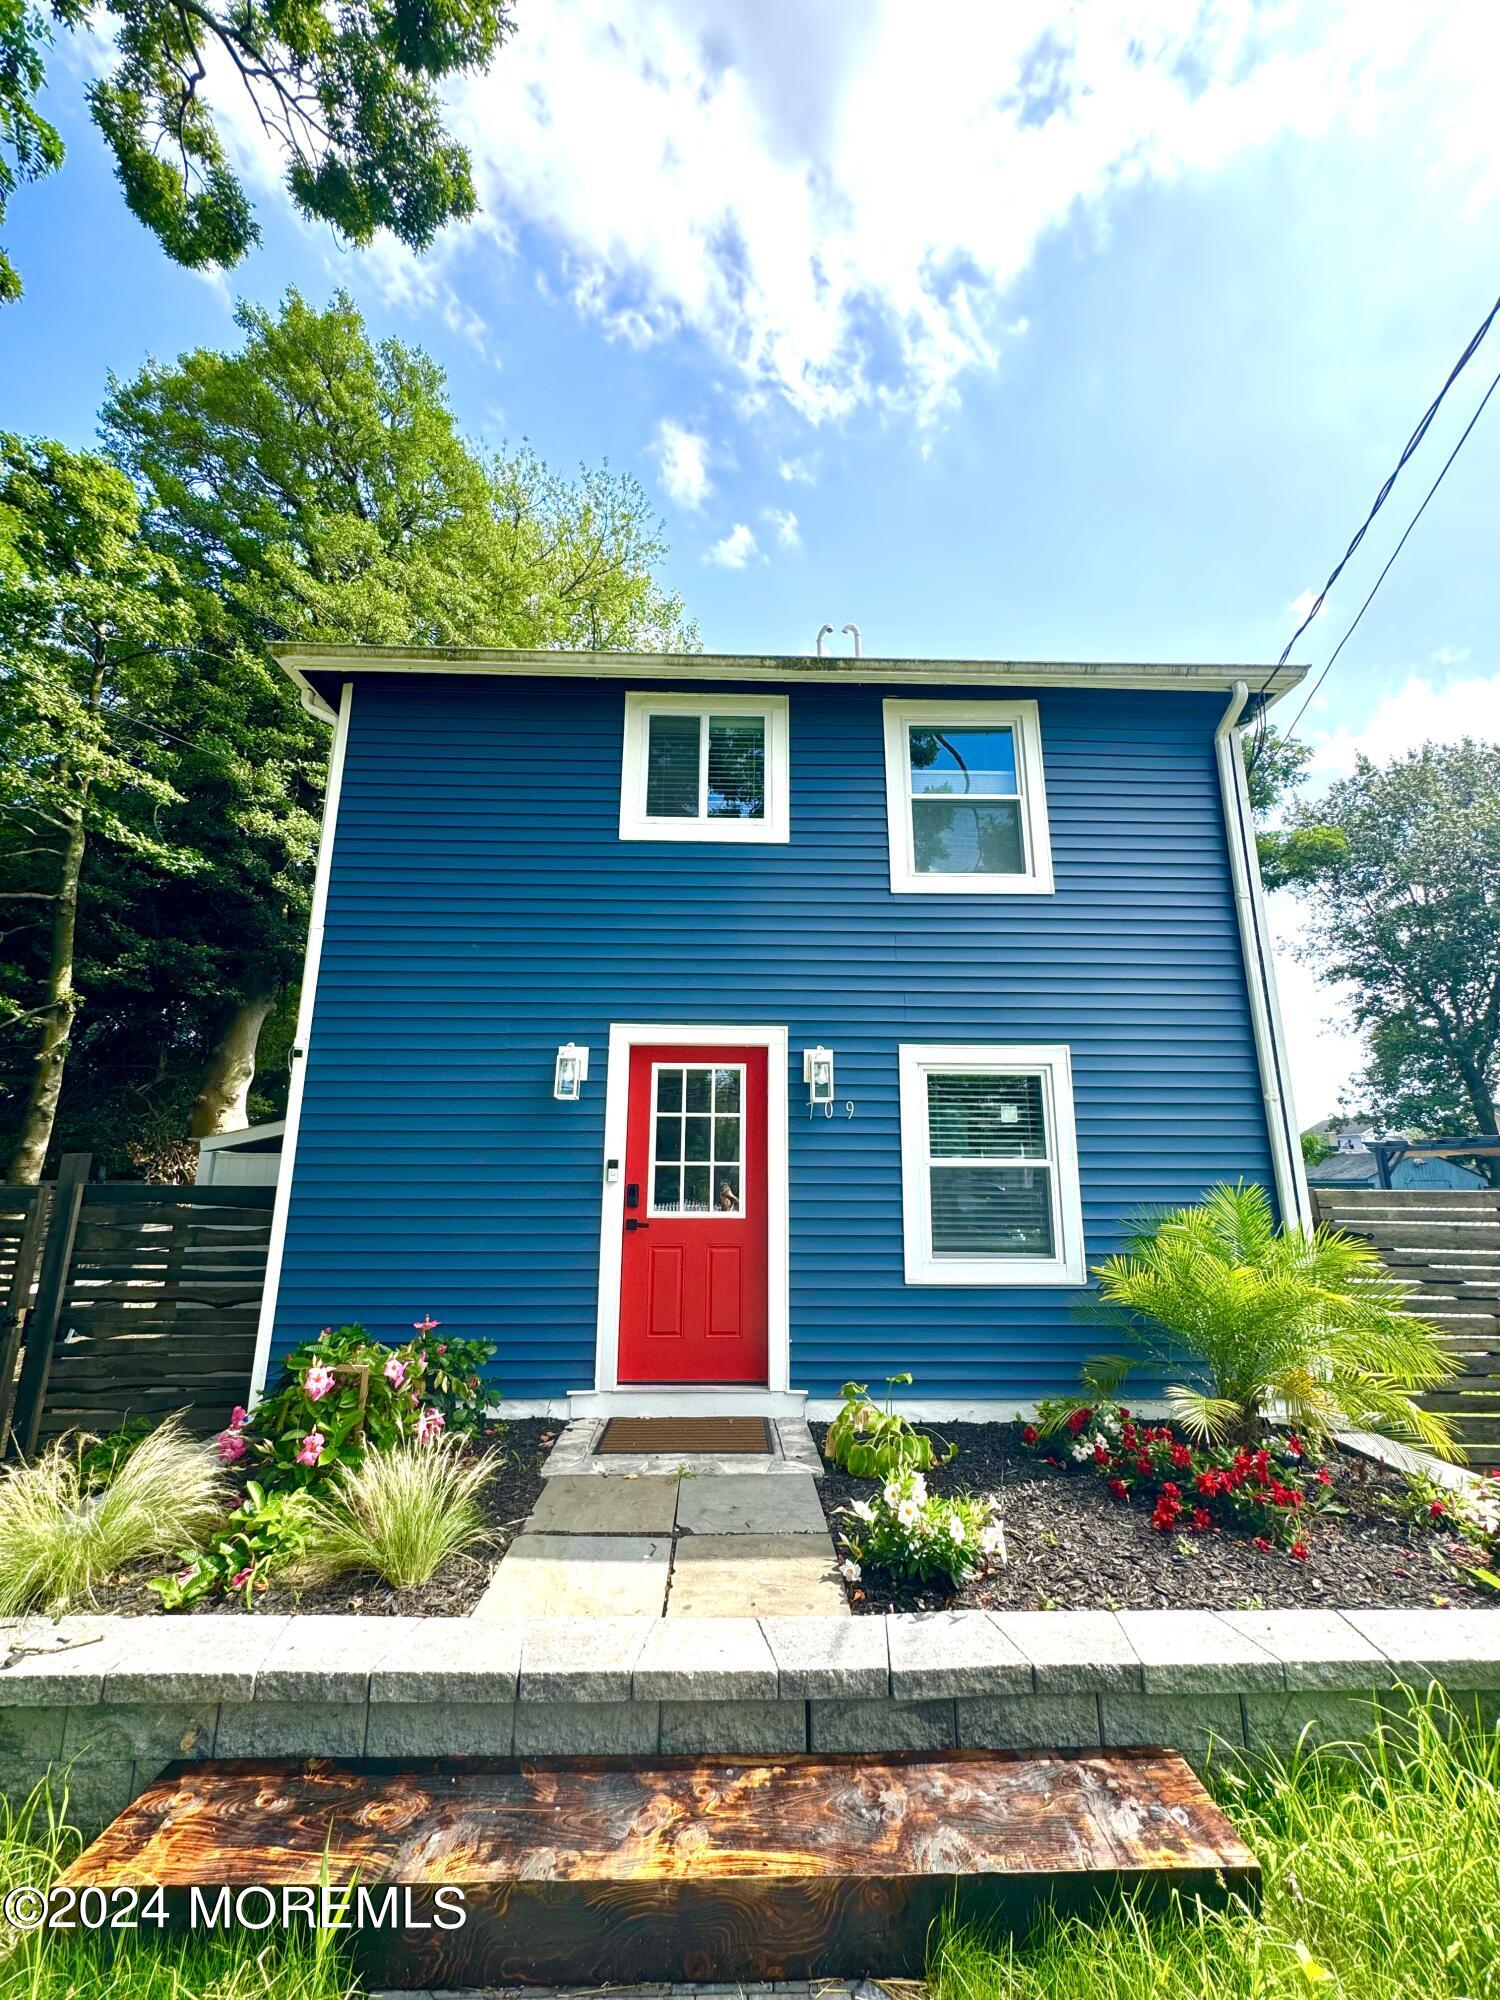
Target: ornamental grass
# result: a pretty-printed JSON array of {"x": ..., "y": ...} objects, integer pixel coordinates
[
  {"x": 62, "y": 1534},
  {"x": 399, "y": 1514}
]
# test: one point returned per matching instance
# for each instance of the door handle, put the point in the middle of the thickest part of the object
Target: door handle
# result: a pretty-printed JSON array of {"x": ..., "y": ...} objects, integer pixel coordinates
[{"x": 631, "y": 1223}]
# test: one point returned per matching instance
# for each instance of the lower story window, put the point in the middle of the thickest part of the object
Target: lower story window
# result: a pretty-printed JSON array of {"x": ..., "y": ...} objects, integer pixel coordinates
[{"x": 989, "y": 1165}]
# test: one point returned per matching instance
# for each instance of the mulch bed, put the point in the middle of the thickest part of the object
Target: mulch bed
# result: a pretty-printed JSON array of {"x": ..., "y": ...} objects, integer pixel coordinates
[
  {"x": 520, "y": 1448},
  {"x": 1073, "y": 1546}
]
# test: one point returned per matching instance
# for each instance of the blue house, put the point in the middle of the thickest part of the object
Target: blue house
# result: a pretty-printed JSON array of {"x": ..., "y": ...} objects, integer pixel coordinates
[{"x": 706, "y": 1031}]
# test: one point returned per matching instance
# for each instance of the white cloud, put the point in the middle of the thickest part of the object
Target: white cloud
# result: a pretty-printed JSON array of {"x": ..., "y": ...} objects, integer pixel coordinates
[
  {"x": 1449, "y": 656},
  {"x": 1302, "y": 603},
  {"x": 796, "y": 471},
  {"x": 785, "y": 523},
  {"x": 1415, "y": 713},
  {"x": 736, "y": 549},
  {"x": 682, "y": 463},
  {"x": 839, "y": 214}
]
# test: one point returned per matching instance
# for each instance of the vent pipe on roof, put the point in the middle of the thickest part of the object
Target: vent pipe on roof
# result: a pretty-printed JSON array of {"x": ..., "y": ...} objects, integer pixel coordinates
[
  {"x": 824, "y": 632},
  {"x": 859, "y": 644}
]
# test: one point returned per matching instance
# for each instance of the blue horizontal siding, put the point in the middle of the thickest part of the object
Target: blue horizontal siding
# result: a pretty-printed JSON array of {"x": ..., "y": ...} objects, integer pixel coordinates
[{"x": 482, "y": 909}]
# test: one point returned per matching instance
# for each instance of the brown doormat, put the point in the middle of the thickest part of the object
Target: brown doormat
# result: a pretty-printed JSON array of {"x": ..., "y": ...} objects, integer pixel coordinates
[{"x": 719, "y": 1434}]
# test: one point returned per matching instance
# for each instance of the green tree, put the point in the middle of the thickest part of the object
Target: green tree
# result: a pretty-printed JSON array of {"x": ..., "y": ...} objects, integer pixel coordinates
[
  {"x": 1406, "y": 911},
  {"x": 88, "y": 619},
  {"x": 347, "y": 96},
  {"x": 1315, "y": 1149},
  {"x": 306, "y": 485},
  {"x": 1276, "y": 769}
]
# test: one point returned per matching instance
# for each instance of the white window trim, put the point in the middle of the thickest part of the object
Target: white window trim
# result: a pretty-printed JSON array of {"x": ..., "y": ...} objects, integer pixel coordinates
[
  {"x": 775, "y": 825},
  {"x": 1051, "y": 1062},
  {"x": 1019, "y": 716},
  {"x": 623, "y": 1037}
]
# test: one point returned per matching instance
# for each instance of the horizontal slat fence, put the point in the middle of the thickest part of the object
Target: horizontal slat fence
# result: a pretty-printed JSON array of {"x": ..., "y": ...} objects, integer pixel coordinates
[
  {"x": 155, "y": 1308},
  {"x": 1445, "y": 1243}
]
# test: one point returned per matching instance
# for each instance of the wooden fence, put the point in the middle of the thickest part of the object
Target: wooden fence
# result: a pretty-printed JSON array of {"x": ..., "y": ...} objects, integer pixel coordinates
[
  {"x": 126, "y": 1300},
  {"x": 1445, "y": 1243}
]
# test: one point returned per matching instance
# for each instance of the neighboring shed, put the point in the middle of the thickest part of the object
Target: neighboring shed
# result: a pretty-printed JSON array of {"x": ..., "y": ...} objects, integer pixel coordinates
[
  {"x": 1359, "y": 1168},
  {"x": 250, "y": 1157}
]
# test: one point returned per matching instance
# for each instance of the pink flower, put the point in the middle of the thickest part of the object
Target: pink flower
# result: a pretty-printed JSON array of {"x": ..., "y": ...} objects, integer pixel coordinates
[
  {"x": 312, "y": 1448},
  {"x": 238, "y": 1417},
  {"x": 185, "y": 1576},
  {"x": 317, "y": 1382},
  {"x": 442, "y": 1347},
  {"x": 430, "y": 1426},
  {"x": 240, "y": 1576},
  {"x": 231, "y": 1447},
  {"x": 425, "y": 1324},
  {"x": 395, "y": 1371}
]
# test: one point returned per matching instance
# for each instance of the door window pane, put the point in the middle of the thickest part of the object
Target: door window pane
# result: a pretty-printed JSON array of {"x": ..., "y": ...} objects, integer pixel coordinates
[
  {"x": 698, "y": 1151},
  {"x": 953, "y": 837},
  {"x": 672, "y": 767},
  {"x": 736, "y": 767}
]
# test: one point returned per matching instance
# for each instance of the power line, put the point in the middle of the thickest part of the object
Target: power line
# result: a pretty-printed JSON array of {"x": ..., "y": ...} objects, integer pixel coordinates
[
  {"x": 1408, "y": 450},
  {"x": 1296, "y": 719}
]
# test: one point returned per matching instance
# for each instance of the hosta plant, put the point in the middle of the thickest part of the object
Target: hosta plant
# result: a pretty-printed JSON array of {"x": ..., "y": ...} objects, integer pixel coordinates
[
  {"x": 62, "y": 1534},
  {"x": 1304, "y": 1325},
  {"x": 907, "y": 1534},
  {"x": 873, "y": 1443},
  {"x": 399, "y": 1515}
]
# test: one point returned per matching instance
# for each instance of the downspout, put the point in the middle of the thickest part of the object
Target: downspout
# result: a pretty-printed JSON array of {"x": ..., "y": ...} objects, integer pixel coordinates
[{"x": 1260, "y": 973}]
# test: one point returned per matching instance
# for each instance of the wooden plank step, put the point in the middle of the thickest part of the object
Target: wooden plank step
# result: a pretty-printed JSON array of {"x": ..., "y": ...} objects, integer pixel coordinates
[{"x": 580, "y": 1871}]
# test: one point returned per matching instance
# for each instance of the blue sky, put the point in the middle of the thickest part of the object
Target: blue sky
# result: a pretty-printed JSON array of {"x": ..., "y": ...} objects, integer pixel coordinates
[{"x": 1036, "y": 331}]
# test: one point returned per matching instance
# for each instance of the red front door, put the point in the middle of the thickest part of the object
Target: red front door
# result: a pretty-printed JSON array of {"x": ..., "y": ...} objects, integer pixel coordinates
[{"x": 693, "y": 1259}]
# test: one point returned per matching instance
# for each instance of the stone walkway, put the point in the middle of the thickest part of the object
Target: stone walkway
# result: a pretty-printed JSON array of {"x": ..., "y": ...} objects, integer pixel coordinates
[{"x": 726, "y": 1542}]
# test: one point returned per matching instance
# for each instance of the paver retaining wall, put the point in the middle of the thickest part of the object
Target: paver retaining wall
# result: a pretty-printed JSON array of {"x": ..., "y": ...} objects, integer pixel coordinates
[{"x": 113, "y": 1700}]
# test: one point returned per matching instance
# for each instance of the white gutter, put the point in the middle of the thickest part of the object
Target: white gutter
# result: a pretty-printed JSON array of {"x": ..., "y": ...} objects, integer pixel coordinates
[
  {"x": 305, "y": 1001},
  {"x": 1260, "y": 970}
]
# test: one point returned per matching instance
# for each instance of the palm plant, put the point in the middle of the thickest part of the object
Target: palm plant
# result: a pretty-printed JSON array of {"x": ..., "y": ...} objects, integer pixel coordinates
[
  {"x": 62, "y": 1533},
  {"x": 1308, "y": 1324},
  {"x": 399, "y": 1514}
]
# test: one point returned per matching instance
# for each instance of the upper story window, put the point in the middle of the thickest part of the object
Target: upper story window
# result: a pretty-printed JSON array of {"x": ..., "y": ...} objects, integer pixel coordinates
[
  {"x": 705, "y": 767},
  {"x": 989, "y": 1166},
  {"x": 964, "y": 798}
]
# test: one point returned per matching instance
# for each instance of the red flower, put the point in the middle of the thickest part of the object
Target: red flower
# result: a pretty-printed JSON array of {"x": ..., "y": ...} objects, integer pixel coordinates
[
  {"x": 1210, "y": 1482},
  {"x": 1101, "y": 1453},
  {"x": 1263, "y": 1545},
  {"x": 1079, "y": 1420},
  {"x": 1170, "y": 1491},
  {"x": 1124, "y": 1413},
  {"x": 1300, "y": 1551},
  {"x": 1294, "y": 1444},
  {"x": 1120, "y": 1490},
  {"x": 1143, "y": 1463},
  {"x": 1182, "y": 1458},
  {"x": 1323, "y": 1476},
  {"x": 1437, "y": 1509},
  {"x": 1202, "y": 1519},
  {"x": 1030, "y": 1434}
]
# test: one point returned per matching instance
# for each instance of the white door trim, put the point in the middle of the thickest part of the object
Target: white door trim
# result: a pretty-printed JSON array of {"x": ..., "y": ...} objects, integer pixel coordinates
[
  {"x": 306, "y": 1002},
  {"x": 623, "y": 1037}
]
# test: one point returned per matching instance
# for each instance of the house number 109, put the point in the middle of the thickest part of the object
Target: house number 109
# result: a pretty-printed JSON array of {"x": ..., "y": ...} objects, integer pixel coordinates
[{"x": 828, "y": 1109}]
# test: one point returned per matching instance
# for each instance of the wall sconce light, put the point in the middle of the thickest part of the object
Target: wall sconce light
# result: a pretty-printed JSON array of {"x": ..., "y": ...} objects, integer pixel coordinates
[
  {"x": 571, "y": 1073},
  {"x": 817, "y": 1074}
]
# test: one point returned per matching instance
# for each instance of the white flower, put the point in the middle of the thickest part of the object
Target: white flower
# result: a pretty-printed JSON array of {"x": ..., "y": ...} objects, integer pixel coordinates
[
  {"x": 918, "y": 1488},
  {"x": 1083, "y": 1448},
  {"x": 892, "y": 1494},
  {"x": 992, "y": 1541},
  {"x": 956, "y": 1529},
  {"x": 862, "y": 1510},
  {"x": 908, "y": 1513},
  {"x": 850, "y": 1569}
]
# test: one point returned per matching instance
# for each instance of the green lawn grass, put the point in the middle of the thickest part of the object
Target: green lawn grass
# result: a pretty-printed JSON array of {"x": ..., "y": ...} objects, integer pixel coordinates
[
  {"x": 36, "y": 1845},
  {"x": 1381, "y": 1882}
]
